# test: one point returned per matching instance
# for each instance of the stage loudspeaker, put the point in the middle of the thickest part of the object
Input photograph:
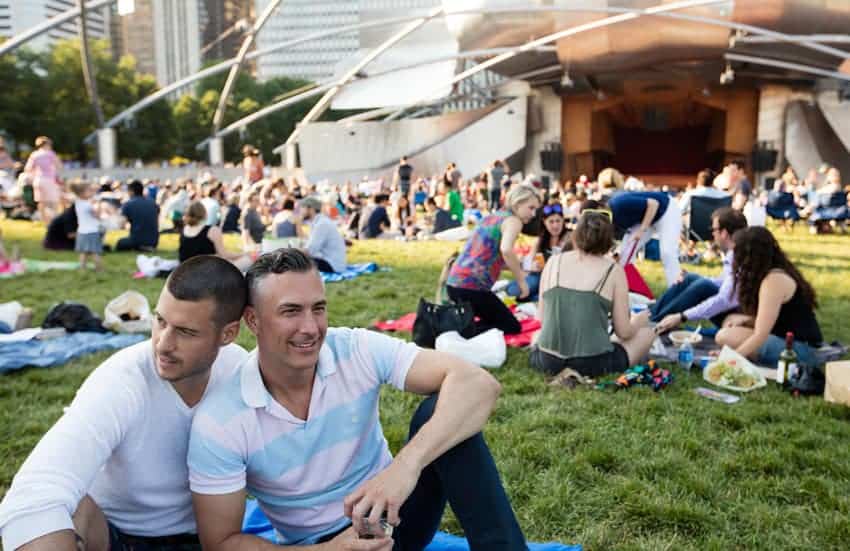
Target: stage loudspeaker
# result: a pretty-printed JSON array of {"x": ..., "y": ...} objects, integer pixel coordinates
[
  {"x": 552, "y": 159},
  {"x": 763, "y": 159}
]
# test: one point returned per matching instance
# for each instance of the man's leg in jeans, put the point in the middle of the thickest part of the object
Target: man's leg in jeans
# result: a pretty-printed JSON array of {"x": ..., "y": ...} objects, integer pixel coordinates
[
  {"x": 466, "y": 477},
  {"x": 663, "y": 305}
]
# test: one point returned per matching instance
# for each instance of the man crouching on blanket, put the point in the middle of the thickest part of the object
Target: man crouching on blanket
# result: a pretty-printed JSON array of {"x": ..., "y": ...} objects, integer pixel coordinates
[
  {"x": 111, "y": 473},
  {"x": 298, "y": 428}
]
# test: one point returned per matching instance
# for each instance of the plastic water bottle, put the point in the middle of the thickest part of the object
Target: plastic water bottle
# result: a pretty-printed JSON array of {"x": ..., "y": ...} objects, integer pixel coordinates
[{"x": 686, "y": 355}]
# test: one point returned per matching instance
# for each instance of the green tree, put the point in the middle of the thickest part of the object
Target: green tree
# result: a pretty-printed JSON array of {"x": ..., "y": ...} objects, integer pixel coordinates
[{"x": 46, "y": 95}]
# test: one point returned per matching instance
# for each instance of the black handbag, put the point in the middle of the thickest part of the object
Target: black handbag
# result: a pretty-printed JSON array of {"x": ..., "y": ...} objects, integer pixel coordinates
[
  {"x": 435, "y": 319},
  {"x": 809, "y": 380}
]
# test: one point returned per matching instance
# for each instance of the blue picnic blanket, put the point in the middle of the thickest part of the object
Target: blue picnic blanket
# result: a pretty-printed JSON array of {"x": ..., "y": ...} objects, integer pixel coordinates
[
  {"x": 351, "y": 271},
  {"x": 255, "y": 522},
  {"x": 46, "y": 353}
]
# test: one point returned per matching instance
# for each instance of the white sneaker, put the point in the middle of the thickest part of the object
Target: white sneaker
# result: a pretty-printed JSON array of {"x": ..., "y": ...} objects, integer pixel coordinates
[{"x": 500, "y": 285}]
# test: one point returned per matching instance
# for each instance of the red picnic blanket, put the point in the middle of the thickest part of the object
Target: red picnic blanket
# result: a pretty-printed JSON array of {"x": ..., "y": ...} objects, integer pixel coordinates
[{"x": 528, "y": 325}]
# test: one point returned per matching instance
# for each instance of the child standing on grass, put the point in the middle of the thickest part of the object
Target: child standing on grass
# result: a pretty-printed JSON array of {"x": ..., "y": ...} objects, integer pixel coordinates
[{"x": 89, "y": 241}]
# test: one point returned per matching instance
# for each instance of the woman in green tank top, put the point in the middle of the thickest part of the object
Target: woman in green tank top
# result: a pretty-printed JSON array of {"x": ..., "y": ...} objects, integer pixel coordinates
[{"x": 579, "y": 290}]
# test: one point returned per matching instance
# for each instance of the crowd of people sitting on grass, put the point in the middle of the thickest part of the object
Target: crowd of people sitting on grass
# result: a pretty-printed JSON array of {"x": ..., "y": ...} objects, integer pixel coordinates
[{"x": 268, "y": 418}]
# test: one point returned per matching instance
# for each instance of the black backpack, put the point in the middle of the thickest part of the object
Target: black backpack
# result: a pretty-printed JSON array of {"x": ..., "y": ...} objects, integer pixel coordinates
[{"x": 73, "y": 317}]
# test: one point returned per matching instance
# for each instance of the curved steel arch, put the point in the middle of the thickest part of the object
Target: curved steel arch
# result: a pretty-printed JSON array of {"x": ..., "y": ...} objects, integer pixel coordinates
[
  {"x": 323, "y": 103},
  {"x": 769, "y": 62},
  {"x": 225, "y": 65},
  {"x": 24, "y": 37},
  {"x": 218, "y": 117},
  {"x": 625, "y": 14},
  {"x": 329, "y": 84}
]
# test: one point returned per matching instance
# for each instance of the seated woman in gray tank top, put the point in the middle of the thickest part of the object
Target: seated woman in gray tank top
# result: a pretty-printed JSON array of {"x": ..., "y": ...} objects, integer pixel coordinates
[{"x": 579, "y": 290}]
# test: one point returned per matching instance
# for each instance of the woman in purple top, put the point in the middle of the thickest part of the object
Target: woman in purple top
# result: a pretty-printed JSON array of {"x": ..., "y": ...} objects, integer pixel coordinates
[
  {"x": 43, "y": 167},
  {"x": 487, "y": 251}
]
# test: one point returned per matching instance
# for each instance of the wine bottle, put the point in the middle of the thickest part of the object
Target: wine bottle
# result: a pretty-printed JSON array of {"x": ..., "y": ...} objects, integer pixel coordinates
[{"x": 786, "y": 369}]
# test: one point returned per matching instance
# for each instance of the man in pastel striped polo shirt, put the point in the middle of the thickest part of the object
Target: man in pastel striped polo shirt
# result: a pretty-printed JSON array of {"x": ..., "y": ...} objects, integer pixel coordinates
[{"x": 298, "y": 428}]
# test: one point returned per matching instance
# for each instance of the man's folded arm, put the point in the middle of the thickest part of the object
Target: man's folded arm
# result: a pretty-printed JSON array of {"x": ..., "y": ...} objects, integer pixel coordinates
[{"x": 59, "y": 471}]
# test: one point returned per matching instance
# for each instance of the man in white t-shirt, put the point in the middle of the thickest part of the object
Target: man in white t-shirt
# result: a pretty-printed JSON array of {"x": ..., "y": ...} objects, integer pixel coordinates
[
  {"x": 111, "y": 473},
  {"x": 298, "y": 428}
]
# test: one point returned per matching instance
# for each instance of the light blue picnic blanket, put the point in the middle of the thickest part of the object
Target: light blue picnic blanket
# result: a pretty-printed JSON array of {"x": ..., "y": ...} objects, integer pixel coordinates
[
  {"x": 351, "y": 271},
  {"x": 255, "y": 522},
  {"x": 46, "y": 353}
]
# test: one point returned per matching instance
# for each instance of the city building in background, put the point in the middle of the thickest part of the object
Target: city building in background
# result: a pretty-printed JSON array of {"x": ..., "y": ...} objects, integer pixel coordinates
[
  {"x": 223, "y": 26},
  {"x": 164, "y": 36},
  {"x": 16, "y": 16}
]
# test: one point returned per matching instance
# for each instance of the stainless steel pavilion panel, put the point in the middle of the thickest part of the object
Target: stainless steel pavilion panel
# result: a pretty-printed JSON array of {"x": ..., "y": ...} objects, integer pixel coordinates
[{"x": 643, "y": 42}]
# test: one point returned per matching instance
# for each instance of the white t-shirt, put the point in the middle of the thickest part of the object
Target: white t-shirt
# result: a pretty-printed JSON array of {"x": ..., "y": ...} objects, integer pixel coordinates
[
  {"x": 87, "y": 220},
  {"x": 123, "y": 441}
]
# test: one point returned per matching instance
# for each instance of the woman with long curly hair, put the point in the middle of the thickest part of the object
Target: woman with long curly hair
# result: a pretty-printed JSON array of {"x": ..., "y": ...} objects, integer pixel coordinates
[{"x": 774, "y": 299}]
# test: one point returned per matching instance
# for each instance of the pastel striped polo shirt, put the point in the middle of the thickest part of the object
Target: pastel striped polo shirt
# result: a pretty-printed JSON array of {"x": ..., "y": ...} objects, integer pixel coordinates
[{"x": 300, "y": 471}]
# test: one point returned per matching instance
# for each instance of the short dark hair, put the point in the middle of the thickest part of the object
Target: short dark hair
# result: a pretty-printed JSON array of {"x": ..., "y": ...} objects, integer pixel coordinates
[
  {"x": 594, "y": 233},
  {"x": 730, "y": 219},
  {"x": 431, "y": 201},
  {"x": 288, "y": 204},
  {"x": 705, "y": 178},
  {"x": 209, "y": 276},
  {"x": 136, "y": 188},
  {"x": 277, "y": 262}
]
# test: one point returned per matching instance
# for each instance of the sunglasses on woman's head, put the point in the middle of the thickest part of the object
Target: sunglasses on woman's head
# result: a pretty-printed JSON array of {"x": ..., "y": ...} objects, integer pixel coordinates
[
  {"x": 552, "y": 209},
  {"x": 604, "y": 212}
]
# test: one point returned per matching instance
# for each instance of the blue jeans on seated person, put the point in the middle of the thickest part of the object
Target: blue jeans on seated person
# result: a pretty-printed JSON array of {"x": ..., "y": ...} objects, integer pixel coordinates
[
  {"x": 689, "y": 292},
  {"x": 467, "y": 478},
  {"x": 768, "y": 354},
  {"x": 4, "y": 328},
  {"x": 533, "y": 281}
]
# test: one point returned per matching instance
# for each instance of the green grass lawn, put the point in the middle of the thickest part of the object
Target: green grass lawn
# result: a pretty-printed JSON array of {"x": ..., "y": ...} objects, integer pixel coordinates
[{"x": 628, "y": 470}]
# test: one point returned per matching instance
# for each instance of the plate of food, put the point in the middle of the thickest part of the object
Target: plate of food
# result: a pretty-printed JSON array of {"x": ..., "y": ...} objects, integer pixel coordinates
[
  {"x": 733, "y": 372},
  {"x": 681, "y": 337}
]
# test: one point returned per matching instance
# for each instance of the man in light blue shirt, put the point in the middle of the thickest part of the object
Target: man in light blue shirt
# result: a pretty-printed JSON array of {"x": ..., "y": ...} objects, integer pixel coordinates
[
  {"x": 299, "y": 428},
  {"x": 325, "y": 244}
]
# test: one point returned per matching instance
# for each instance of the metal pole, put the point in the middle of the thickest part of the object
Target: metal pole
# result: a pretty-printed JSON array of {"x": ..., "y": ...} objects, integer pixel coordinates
[
  {"x": 218, "y": 118},
  {"x": 322, "y": 105},
  {"x": 88, "y": 69}
]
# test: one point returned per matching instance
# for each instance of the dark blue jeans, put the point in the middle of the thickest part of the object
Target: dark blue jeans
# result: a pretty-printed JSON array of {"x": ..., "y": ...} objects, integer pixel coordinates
[
  {"x": 692, "y": 290},
  {"x": 533, "y": 281},
  {"x": 466, "y": 478},
  {"x": 495, "y": 196}
]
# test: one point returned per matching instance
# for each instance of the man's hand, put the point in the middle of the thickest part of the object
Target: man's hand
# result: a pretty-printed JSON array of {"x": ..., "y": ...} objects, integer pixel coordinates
[
  {"x": 384, "y": 493},
  {"x": 681, "y": 277},
  {"x": 638, "y": 233},
  {"x": 669, "y": 322},
  {"x": 351, "y": 541}
]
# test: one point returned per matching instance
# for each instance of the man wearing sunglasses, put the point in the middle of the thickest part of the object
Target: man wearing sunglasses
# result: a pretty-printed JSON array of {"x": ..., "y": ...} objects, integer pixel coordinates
[{"x": 695, "y": 297}]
